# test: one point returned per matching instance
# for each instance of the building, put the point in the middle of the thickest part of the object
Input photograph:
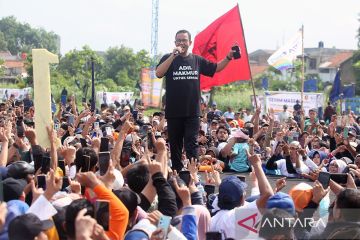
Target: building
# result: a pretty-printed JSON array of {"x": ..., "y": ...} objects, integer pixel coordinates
[
  {"x": 319, "y": 61},
  {"x": 14, "y": 67}
]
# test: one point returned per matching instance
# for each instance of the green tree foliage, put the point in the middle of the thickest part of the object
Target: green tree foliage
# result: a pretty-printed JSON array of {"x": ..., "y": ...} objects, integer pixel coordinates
[
  {"x": 124, "y": 66},
  {"x": 21, "y": 37},
  {"x": 2, "y": 71}
]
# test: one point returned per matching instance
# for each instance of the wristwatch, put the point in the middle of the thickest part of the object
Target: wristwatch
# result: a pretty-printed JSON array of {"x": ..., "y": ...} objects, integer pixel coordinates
[{"x": 227, "y": 57}]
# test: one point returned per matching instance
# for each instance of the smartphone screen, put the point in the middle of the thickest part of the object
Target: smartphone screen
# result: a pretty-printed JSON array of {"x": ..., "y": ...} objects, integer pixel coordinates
[
  {"x": 236, "y": 53},
  {"x": 61, "y": 164},
  {"x": 135, "y": 114},
  {"x": 102, "y": 213},
  {"x": 108, "y": 131},
  {"x": 83, "y": 142},
  {"x": 104, "y": 145},
  {"x": 185, "y": 176},
  {"x": 96, "y": 125},
  {"x": 56, "y": 126},
  {"x": 340, "y": 178},
  {"x": 213, "y": 236},
  {"x": 63, "y": 99},
  {"x": 86, "y": 163},
  {"x": 41, "y": 181},
  {"x": 20, "y": 131},
  {"x": 37, "y": 158},
  {"x": 324, "y": 178},
  {"x": 346, "y": 133},
  {"x": 209, "y": 189},
  {"x": 71, "y": 120},
  {"x": 164, "y": 224},
  {"x": 65, "y": 183},
  {"x": 45, "y": 165},
  {"x": 104, "y": 161},
  {"x": 338, "y": 121}
]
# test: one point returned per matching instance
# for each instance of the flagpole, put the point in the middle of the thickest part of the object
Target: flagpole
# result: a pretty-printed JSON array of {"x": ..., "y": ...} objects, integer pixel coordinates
[
  {"x": 251, "y": 78},
  {"x": 302, "y": 68}
]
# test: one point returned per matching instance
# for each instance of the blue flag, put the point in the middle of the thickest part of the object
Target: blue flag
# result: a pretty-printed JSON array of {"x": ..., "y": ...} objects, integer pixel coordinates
[
  {"x": 336, "y": 89},
  {"x": 310, "y": 85},
  {"x": 349, "y": 91},
  {"x": 265, "y": 83}
]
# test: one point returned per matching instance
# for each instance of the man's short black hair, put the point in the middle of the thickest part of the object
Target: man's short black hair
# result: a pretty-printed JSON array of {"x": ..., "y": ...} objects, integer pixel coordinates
[
  {"x": 348, "y": 201},
  {"x": 224, "y": 128},
  {"x": 72, "y": 211},
  {"x": 184, "y": 31},
  {"x": 137, "y": 177}
]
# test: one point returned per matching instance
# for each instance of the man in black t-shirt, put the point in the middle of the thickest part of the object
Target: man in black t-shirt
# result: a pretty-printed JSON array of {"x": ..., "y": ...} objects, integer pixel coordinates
[{"x": 182, "y": 72}]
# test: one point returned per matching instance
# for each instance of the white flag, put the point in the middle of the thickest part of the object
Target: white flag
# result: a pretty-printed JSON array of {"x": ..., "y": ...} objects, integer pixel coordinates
[{"x": 283, "y": 58}]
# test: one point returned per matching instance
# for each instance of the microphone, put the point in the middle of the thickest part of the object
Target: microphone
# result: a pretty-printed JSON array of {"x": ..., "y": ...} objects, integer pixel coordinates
[{"x": 176, "y": 52}]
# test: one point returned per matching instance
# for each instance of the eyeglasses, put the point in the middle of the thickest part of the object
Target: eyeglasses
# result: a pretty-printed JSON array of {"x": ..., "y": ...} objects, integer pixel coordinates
[{"x": 181, "y": 40}]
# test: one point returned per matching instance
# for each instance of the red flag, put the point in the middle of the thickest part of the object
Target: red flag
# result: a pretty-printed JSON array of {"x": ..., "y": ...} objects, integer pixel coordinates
[{"x": 215, "y": 42}]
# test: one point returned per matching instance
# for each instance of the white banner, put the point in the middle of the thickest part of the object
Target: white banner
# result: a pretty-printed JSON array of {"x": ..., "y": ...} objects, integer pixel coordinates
[
  {"x": 18, "y": 93},
  {"x": 276, "y": 100},
  {"x": 111, "y": 97}
]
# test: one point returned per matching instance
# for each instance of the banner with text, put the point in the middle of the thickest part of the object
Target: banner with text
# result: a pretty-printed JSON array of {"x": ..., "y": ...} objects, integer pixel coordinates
[
  {"x": 353, "y": 104},
  {"x": 151, "y": 88},
  {"x": 276, "y": 100}
]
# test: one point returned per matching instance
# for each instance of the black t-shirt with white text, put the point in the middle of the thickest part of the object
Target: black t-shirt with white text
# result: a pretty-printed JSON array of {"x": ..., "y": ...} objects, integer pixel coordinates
[{"x": 183, "y": 84}]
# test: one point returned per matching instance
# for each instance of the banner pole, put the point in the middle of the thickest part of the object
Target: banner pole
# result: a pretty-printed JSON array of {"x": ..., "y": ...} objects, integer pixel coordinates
[
  {"x": 251, "y": 78},
  {"x": 302, "y": 68}
]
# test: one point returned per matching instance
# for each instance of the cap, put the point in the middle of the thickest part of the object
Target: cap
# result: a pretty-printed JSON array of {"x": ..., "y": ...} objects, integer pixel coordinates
[
  {"x": 231, "y": 191},
  {"x": 301, "y": 195},
  {"x": 20, "y": 169},
  {"x": 239, "y": 134},
  {"x": 27, "y": 226},
  {"x": 13, "y": 188},
  {"x": 283, "y": 201}
]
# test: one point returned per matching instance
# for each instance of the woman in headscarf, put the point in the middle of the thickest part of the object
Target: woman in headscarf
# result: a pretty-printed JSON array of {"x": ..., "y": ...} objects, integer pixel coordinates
[{"x": 337, "y": 166}]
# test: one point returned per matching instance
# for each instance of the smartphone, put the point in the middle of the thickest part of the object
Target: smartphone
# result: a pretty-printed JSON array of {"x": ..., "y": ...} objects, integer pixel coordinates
[
  {"x": 96, "y": 125},
  {"x": 71, "y": 120},
  {"x": 102, "y": 213},
  {"x": 19, "y": 121},
  {"x": 213, "y": 236},
  {"x": 209, "y": 189},
  {"x": 104, "y": 145},
  {"x": 135, "y": 114},
  {"x": 185, "y": 176},
  {"x": 37, "y": 158},
  {"x": 241, "y": 178},
  {"x": 346, "y": 133},
  {"x": 86, "y": 163},
  {"x": 108, "y": 131},
  {"x": 45, "y": 164},
  {"x": 295, "y": 136},
  {"x": 324, "y": 179},
  {"x": 339, "y": 121},
  {"x": 164, "y": 224},
  {"x": 20, "y": 131},
  {"x": 237, "y": 53},
  {"x": 61, "y": 164},
  {"x": 340, "y": 178},
  {"x": 56, "y": 126},
  {"x": 41, "y": 181},
  {"x": 65, "y": 183},
  {"x": 83, "y": 142},
  {"x": 104, "y": 161}
]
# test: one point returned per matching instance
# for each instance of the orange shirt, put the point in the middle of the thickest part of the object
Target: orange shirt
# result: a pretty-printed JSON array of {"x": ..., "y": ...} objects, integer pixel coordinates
[{"x": 119, "y": 215}]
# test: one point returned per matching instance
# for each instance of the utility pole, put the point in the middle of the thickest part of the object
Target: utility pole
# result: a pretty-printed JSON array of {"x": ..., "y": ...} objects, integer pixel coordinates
[{"x": 154, "y": 31}]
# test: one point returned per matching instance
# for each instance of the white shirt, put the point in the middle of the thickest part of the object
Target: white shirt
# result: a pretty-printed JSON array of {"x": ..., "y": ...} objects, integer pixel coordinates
[{"x": 225, "y": 220}]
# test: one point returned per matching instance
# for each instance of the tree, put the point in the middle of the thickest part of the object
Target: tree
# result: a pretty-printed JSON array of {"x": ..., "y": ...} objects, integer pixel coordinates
[
  {"x": 124, "y": 66},
  {"x": 21, "y": 37},
  {"x": 2, "y": 72}
]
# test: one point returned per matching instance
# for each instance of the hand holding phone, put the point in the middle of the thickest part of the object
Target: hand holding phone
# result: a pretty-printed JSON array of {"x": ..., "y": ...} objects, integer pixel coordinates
[
  {"x": 236, "y": 52},
  {"x": 164, "y": 224},
  {"x": 324, "y": 179},
  {"x": 185, "y": 176}
]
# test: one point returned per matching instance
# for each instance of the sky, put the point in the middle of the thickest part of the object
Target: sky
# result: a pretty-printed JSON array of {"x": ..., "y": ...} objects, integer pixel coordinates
[{"x": 108, "y": 23}]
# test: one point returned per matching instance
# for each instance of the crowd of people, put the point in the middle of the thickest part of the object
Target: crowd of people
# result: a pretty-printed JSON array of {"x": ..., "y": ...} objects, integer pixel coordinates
[{"x": 108, "y": 175}]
